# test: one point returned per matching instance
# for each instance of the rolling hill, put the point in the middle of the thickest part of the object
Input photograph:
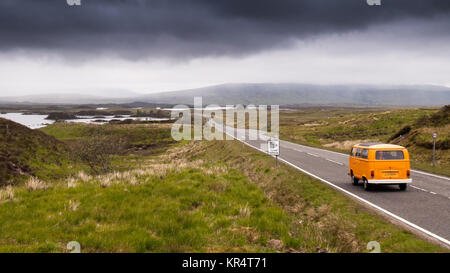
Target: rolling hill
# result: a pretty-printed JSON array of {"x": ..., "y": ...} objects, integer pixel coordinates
[
  {"x": 25, "y": 152},
  {"x": 288, "y": 94},
  {"x": 417, "y": 137},
  {"x": 263, "y": 93}
]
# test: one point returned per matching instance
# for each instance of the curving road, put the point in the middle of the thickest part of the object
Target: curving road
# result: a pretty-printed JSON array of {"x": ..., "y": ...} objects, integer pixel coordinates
[{"x": 424, "y": 206}]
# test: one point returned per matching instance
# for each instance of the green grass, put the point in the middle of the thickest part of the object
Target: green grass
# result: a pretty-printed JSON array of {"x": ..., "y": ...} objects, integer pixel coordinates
[
  {"x": 340, "y": 125},
  {"x": 185, "y": 211},
  {"x": 134, "y": 134},
  {"x": 140, "y": 140}
]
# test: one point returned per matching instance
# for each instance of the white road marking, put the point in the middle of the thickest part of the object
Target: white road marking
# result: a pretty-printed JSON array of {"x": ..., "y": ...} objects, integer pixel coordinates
[
  {"x": 342, "y": 164},
  {"x": 297, "y": 150},
  {"x": 432, "y": 192},
  {"x": 314, "y": 148},
  {"x": 429, "y": 233},
  {"x": 419, "y": 188}
]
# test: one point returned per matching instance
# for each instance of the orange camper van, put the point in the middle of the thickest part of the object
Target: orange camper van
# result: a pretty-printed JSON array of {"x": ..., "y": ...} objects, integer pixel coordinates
[{"x": 378, "y": 163}]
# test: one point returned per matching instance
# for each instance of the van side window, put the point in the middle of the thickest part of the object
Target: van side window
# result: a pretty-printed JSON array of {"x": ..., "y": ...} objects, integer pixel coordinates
[
  {"x": 352, "y": 152},
  {"x": 389, "y": 155},
  {"x": 365, "y": 154},
  {"x": 358, "y": 152}
]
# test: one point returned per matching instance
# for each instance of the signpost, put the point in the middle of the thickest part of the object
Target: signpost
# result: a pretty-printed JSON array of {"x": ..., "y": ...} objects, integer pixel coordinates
[
  {"x": 434, "y": 149},
  {"x": 273, "y": 148}
]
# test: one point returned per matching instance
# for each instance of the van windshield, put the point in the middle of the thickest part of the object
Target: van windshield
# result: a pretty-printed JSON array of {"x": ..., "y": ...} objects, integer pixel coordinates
[{"x": 389, "y": 155}]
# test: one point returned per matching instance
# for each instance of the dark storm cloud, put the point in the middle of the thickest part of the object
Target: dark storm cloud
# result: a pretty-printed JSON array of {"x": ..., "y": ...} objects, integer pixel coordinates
[{"x": 189, "y": 28}]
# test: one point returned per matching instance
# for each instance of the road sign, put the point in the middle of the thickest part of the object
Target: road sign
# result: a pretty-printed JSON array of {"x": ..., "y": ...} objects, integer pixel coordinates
[
  {"x": 273, "y": 147},
  {"x": 434, "y": 135}
]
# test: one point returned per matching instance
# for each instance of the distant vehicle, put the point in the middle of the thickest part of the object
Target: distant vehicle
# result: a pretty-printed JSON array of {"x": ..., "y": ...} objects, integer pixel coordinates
[{"x": 378, "y": 163}]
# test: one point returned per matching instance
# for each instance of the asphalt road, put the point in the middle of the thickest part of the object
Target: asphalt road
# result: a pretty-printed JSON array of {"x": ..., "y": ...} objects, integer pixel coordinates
[{"x": 424, "y": 206}]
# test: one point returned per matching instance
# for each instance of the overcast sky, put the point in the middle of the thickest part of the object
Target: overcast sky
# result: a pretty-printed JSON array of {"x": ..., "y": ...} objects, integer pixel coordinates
[{"x": 47, "y": 46}]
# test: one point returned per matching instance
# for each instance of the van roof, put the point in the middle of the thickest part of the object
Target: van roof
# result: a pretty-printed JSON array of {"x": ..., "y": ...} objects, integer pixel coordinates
[{"x": 376, "y": 145}]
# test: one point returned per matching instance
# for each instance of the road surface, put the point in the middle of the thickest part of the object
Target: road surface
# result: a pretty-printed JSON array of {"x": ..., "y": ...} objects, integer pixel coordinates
[{"x": 424, "y": 206}]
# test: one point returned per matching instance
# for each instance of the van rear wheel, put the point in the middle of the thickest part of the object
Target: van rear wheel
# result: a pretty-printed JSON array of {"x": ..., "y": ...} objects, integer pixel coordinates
[
  {"x": 402, "y": 187},
  {"x": 366, "y": 185}
]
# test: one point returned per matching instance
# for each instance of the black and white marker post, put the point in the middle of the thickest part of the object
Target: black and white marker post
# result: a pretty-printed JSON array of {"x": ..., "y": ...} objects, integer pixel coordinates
[{"x": 434, "y": 149}]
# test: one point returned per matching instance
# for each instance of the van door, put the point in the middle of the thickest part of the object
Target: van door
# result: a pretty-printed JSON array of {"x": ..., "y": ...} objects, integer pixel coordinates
[
  {"x": 364, "y": 166},
  {"x": 357, "y": 165}
]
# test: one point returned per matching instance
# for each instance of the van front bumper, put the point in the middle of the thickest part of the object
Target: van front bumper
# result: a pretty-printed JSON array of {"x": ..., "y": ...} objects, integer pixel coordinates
[{"x": 389, "y": 181}]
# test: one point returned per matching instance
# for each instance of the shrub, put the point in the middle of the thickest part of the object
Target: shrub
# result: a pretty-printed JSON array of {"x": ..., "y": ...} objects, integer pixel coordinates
[
  {"x": 34, "y": 184},
  {"x": 60, "y": 116},
  {"x": 7, "y": 193},
  {"x": 405, "y": 130},
  {"x": 97, "y": 151}
]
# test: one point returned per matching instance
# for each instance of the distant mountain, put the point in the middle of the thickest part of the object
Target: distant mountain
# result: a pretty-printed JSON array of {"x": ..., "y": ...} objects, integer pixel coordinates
[
  {"x": 115, "y": 93},
  {"x": 100, "y": 96},
  {"x": 284, "y": 94},
  {"x": 264, "y": 93},
  {"x": 58, "y": 99}
]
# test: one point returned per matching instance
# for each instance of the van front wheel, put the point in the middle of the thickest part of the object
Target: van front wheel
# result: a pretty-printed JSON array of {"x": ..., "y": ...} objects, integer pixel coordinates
[
  {"x": 354, "y": 180},
  {"x": 402, "y": 187}
]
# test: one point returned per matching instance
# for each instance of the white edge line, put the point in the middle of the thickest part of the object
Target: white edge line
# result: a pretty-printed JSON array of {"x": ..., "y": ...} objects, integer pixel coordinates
[
  {"x": 429, "y": 233},
  {"x": 430, "y": 174}
]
